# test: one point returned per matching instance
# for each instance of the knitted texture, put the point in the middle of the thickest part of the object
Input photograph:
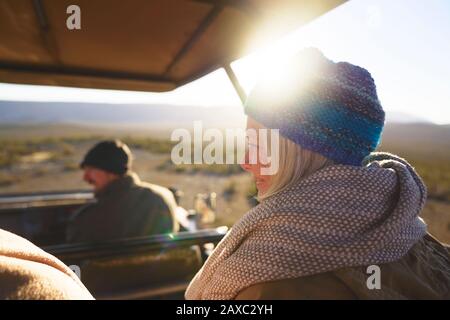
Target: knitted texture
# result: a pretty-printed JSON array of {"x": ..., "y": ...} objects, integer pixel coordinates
[
  {"x": 326, "y": 107},
  {"x": 340, "y": 216}
]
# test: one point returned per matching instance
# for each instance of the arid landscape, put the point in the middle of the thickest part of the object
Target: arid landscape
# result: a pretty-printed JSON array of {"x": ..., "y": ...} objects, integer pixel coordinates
[
  {"x": 45, "y": 158},
  {"x": 41, "y": 153}
]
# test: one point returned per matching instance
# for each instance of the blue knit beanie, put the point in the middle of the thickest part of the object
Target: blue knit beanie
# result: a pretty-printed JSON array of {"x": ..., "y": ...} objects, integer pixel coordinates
[{"x": 326, "y": 107}]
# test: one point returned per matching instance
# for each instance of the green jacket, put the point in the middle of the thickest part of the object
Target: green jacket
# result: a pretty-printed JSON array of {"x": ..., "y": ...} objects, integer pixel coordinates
[
  {"x": 126, "y": 208},
  {"x": 424, "y": 273}
]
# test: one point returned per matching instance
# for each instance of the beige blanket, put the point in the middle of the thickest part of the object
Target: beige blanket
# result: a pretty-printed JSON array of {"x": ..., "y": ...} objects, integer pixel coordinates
[{"x": 27, "y": 272}]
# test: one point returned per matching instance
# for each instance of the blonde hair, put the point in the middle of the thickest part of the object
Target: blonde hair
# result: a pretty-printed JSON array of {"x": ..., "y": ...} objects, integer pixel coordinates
[{"x": 295, "y": 164}]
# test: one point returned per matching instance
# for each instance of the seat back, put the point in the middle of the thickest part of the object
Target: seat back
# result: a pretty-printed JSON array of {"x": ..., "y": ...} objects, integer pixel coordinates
[{"x": 155, "y": 267}]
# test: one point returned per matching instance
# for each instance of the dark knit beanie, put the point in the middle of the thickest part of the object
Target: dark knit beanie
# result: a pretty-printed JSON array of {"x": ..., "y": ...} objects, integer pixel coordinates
[
  {"x": 113, "y": 156},
  {"x": 326, "y": 107}
]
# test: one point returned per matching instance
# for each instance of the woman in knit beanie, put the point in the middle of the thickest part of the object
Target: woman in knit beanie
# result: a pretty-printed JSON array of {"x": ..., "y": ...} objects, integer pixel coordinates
[{"x": 337, "y": 220}]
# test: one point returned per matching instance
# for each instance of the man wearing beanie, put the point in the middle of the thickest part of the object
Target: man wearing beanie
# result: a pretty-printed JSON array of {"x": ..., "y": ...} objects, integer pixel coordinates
[{"x": 126, "y": 207}]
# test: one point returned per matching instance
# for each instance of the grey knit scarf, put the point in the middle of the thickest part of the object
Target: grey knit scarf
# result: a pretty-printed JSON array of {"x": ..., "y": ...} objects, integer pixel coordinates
[{"x": 340, "y": 216}]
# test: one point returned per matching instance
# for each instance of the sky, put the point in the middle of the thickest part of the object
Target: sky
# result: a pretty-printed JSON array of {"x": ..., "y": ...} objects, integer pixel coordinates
[{"x": 405, "y": 44}]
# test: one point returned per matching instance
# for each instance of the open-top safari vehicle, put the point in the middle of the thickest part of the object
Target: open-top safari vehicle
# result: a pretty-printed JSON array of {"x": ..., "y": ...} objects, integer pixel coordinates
[{"x": 143, "y": 45}]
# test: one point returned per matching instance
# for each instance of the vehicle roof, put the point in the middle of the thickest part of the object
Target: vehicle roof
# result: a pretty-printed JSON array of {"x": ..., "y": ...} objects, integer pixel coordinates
[{"x": 149, "y": 45}]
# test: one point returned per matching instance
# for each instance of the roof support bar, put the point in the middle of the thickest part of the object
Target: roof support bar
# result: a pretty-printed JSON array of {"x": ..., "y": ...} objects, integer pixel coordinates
[
  {"x": 210, "y": 17},
  {"x": 234, "y": 80},
  {"x": 244, "y": 6},
  {"x": 47, "y": 37},
  {"x": 40, "y": 13}
]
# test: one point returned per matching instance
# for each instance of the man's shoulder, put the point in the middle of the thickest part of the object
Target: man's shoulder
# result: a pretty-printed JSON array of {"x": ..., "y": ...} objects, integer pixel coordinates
[
  {"x": 161, "y": 201},
  {"x": 156, "y": 190}
]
